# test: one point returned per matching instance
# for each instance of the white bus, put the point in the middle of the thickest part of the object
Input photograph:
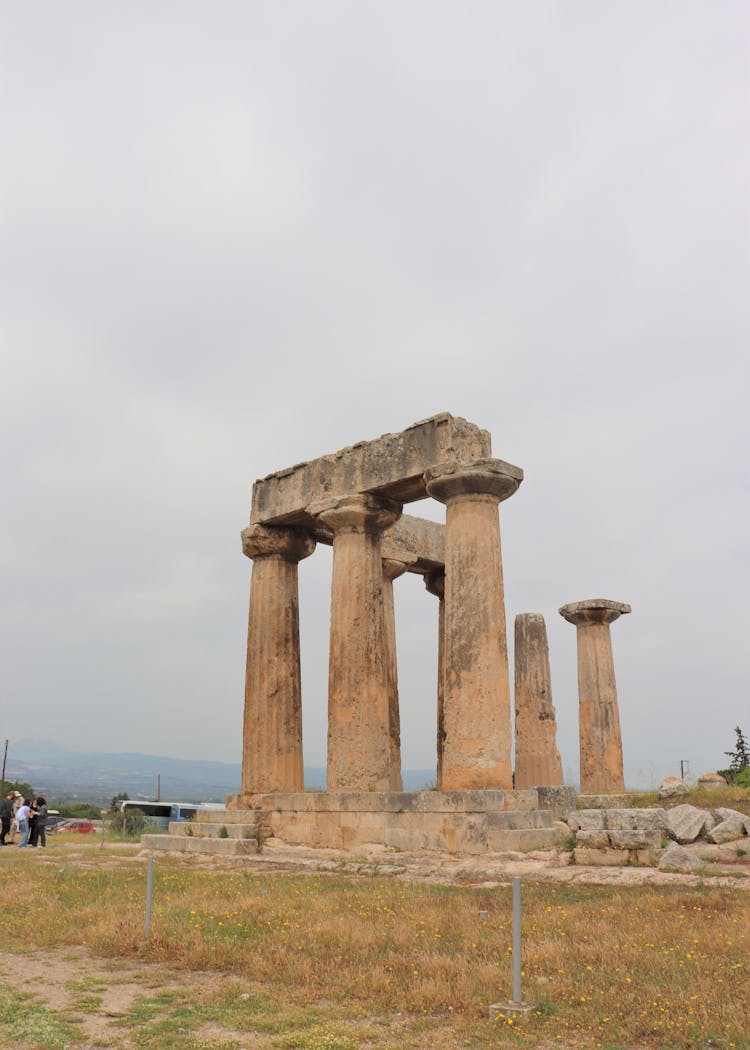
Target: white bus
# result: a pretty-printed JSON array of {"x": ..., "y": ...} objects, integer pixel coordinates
[{"x": 159, "y": 814}]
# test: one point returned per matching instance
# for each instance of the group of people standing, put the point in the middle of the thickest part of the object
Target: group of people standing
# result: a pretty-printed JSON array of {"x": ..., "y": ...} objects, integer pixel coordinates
[{"x": 28, "y": 819}]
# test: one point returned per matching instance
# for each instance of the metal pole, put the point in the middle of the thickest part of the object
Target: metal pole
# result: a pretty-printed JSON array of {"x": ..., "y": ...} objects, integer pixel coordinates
[
  {"x": 5, "y": 759},
  {"x": 516, "y": 939},
  {"x": 158, "y": 787},
  {"x": 149, "y": 893},
  {"x": 104, "y": 824}
]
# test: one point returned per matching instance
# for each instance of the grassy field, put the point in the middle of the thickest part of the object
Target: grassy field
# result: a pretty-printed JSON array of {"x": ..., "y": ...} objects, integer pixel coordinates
[{"x": 327, "y": 962}]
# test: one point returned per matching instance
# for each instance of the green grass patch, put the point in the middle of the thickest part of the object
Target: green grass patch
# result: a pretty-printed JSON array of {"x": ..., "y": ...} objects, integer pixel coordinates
[{"x": 25, "y": 1022}]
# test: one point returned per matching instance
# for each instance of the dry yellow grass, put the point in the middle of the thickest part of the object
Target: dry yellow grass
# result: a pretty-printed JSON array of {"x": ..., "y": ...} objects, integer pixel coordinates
[{"x": 657, "y": 967}]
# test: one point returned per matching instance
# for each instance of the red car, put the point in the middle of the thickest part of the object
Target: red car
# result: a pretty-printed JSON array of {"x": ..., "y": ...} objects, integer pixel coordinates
[{"x": 83, "y": 827}]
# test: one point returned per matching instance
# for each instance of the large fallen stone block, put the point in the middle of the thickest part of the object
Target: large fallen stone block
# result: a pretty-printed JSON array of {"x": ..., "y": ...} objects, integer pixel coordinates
[
  {"x": 685, "y": 823},
  {"x": 678, "y": 858},
  {"x": 727, "y": 831},
  {"x": 724, "y": 813}
]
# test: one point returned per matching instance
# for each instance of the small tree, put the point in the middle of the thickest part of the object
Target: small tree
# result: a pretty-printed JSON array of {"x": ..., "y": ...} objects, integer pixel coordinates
[
  {"x": 116, "y": 799},
  {"x": 131, "y": 822},
  {"x": 737, "y": 772}
]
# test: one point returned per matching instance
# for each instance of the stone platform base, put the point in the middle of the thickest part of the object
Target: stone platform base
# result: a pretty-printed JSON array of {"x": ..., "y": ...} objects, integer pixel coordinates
[{"x": 470, "y": 822}]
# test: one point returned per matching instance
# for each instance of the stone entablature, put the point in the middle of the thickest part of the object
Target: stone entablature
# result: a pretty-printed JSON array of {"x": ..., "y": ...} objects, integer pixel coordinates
[{"x": 392, "y": 466}]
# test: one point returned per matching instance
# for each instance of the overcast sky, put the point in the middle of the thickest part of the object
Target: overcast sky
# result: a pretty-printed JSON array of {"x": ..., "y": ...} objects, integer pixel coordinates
[{"x": 238, "y": 235}]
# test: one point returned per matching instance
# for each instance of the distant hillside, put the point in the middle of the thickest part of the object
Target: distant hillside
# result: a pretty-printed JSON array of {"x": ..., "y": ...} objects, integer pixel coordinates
[{"x": 63, "y": 774}]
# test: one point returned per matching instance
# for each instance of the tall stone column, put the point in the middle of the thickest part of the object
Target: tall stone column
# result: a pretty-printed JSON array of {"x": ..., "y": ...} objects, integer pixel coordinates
[
  {"x": 360, "y": 748},
  {"x": 598, "y": 714},
  {"x": 537, "y": 757},
  {"x": 435, "y": 584},
  {"x": 272, "y": 731},
  {"x": 392, "y": 569},
  {"x": 477, "y": 748}
]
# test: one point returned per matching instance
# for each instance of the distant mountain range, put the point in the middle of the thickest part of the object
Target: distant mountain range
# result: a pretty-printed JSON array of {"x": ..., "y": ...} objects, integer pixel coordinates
[{"x": 62, "y": 774}]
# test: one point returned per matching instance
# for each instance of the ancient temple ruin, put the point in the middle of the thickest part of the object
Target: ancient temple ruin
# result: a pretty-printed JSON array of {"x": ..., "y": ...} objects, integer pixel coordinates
[{"x": 353, "y": 500}]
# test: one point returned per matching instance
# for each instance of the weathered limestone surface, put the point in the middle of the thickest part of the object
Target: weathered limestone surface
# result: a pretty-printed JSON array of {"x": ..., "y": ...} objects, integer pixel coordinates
[
  {"x": 725, "y": 813},
  {"x": 360, "y": 750},
  {"x": 670, "y": 787},
  {"x": 678, "y": 858},
  {"x": 711, "y": 781},
  {"x": 416, "y": 541},
  {"x": 457, "y": 821},
  {"x": 476, "y": 752},
  {"x": 599, "y": 718},
  {"x": 727, "y": 830},
  {"x": 392, "y": 465},
  {"x": 272, "y": 730},
  {"x": 537, "y": 758},
  {"x": 685, "y": 823}
]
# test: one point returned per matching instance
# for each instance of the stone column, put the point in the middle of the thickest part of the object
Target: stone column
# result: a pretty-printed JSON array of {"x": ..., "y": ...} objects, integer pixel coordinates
[
  {"x": 598, "y": 718},
  {"x": 537, "y": 757},
  {"x": 272, "y": 731},
  {"x": 360, "y": 749},
  {"x": 392, "y": 569},
  {"x": 476, "y": 752},
  {"x": 435, "y": 584}
]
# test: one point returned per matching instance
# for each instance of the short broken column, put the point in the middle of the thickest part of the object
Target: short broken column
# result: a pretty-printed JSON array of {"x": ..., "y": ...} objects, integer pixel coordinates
[
  {"x": 537, "y": 757},
  {"x": 360, "y": 750},
  {"x": 272, "y": 729},
  {"x": 477, "y": 747},
  {"x": 392, "y": 569},
  {"x": 600, "y": 738},
  {"x": 435, "y": 583}
]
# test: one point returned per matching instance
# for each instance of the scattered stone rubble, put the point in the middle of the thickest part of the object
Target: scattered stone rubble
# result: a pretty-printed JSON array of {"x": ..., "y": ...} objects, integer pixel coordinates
[{"x": 618, "y": 837}]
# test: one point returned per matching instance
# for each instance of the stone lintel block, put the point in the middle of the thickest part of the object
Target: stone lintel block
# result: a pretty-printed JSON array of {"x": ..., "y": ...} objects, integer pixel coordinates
[
  {"x": 587, "y": 820},
  {"x": 560, "y": 800},
  {"x": 392, "y": 466},
  {"x": 602, "y": 858},
  {"x": 417, "y": 542},
  {"x": 593, "y": 839},
  {"x": 634, "y": 839},
  {"x": 593, "y": 610}
]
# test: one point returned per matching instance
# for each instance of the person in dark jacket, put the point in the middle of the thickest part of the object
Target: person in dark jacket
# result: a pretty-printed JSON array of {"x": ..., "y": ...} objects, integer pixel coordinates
[
  {"x": 39, "y": 822},
  {"x": 6, "y": 815}
]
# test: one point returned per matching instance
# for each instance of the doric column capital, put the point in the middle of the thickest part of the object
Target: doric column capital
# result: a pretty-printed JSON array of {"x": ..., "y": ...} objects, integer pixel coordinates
[
  {"x": 435, "y": 583},
  {"x": 593, "y": 610},
  {"x": 267, "y": 541},
  {"x": 358, "y": 513},
  {"x": 394, "y": 567},
  {"x": 485, "y": 477}
]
